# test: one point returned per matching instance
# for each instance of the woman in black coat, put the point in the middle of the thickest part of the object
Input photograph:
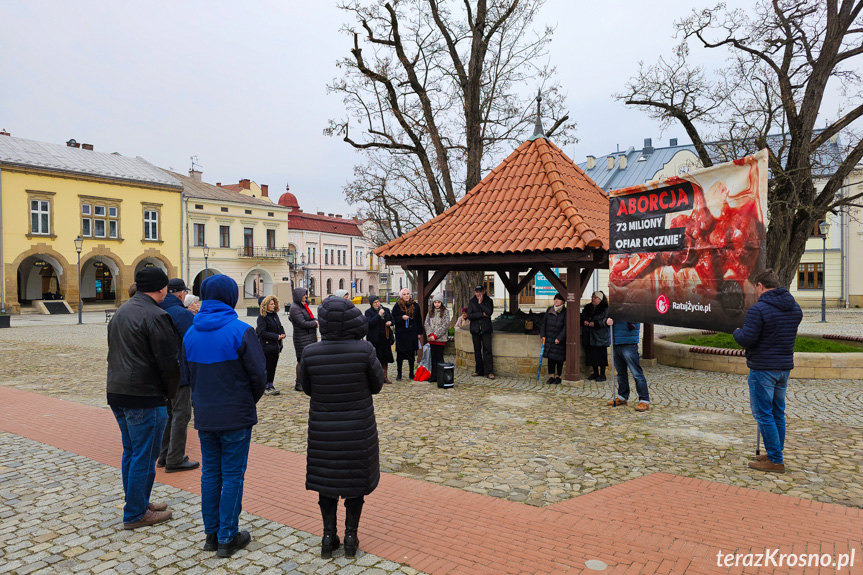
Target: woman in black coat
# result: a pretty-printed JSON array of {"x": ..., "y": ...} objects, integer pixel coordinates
[
  {"x": 595, "y": 336},
  {"x": 305, "y": 326},
  {"x": 553, "y": 334},
  {"x": 408, "y": 321},
  {"x": 340, "y": 374},
  {"x": 270, "y": 334},
  {"x": 381, "y": 333}
]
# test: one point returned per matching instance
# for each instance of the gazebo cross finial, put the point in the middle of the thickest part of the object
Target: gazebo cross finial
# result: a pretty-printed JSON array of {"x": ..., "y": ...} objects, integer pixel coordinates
[{"x": 538, "y": 131}]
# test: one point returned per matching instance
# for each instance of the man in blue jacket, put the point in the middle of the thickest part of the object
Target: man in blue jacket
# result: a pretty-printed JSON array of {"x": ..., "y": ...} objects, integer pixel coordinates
[
  {"x": 626, "y": 356},
  {"x": 768, "y": 335},
  {"x": 173, "y": 456},
  {"x": 228, "y": 376}
]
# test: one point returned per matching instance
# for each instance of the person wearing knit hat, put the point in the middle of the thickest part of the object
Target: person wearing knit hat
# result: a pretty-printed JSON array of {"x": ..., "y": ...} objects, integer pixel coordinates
[
  {"x": 143, "y": 374},
  {"x": 437, "y": 330},
  {"x": 342, "y": 293},
  {"x": 381, "y": 333}
]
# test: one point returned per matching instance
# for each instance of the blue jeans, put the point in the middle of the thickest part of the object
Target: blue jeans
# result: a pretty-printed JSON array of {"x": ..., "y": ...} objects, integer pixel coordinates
[
  {"x": 142, "y": 430},
  {"x": 626, "y": 356},
  {"x": 767, "y": 400},
  {"x": 224, "y": 455}
]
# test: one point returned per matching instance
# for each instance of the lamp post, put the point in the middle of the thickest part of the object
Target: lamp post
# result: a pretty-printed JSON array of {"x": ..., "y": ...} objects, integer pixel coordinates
[
  {"x": 824, "y": 228},
  {"x": 206, "y": 265},
  {"x": 79, "y": 245}
]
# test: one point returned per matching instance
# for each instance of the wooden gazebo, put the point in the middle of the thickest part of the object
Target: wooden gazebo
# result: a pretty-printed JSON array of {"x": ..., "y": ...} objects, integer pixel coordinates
[{"x": 535, "y": 211}]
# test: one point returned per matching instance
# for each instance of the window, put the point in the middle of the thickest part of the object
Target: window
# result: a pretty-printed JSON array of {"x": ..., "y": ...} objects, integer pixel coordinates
[
  {"x": 488, "y": 282},
  {"x": 40, "y": 215},
  {"x": 198, "y": 234},
  {"x": 224, "y": 209},
  {"x": 271, "y": 214},
  {"x": 248, "y": 241},
  {"x": 248, "y": 212},
  {"x": 810, "y": 276},
  {"x": 342, "y": 283},
  {"x": 199, "y": 206},
  {"x": 151, "y": 225},
  {"x": 329, "y": 287},
  {"x": 100, "y": 220},
  {"x": 271, "y": 239},
  {"x": 224, "y": 236}
]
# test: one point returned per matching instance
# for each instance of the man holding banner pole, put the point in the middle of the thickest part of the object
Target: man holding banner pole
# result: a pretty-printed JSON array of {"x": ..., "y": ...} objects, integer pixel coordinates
[
  {"x": 624, "y": 355},
  {"x": 768, "y": 335}
]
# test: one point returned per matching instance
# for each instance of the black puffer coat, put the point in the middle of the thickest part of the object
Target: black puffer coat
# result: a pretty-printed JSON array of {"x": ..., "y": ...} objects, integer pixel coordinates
[
  {"x": 340, "y": 374},
  {"x": 305, "y": 327},
  {"x": 554, "y": 328},
  {"x": 479, "y": 314}
]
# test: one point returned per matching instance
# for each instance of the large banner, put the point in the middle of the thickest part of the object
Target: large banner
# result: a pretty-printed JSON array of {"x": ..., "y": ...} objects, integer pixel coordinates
[{"x": 684, "y": 250}]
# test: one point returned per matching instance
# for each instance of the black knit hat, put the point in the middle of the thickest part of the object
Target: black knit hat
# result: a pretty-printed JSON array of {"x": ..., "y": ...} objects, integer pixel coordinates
[
  {"x": 150, "y": 279},
  {"x": 373, "y": 299}
]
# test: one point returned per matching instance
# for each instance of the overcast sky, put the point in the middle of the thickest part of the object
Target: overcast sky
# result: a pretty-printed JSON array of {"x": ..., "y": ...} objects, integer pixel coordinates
[{"x": 242, "y": 86}]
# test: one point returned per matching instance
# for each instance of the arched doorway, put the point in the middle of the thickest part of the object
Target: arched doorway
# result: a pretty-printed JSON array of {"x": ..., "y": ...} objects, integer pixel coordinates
[
  {"x": 150, "y": 262},
  {"x": 200, "y": 277},
  {"x": 312, "y": 290},
  {"x": 329, "y": 287},
  {"x": 39, "y": 278},
  {"x": 99, "y": 280},
  {"x": 341, "y": 284},
  {"x": 258, "y": 283}
]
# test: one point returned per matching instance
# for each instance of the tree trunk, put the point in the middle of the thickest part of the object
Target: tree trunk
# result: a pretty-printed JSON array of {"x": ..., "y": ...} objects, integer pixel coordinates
[
  {"x": 787, "y": 232},
  {"x": 463, "y": 284}
]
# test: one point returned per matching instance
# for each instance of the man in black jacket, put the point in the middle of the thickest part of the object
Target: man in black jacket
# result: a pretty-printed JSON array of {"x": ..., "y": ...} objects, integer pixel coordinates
[
  {"x": 479, "y": 312},
  {"x": 143, "y": 374},
  {"x": 173, "y": 455},
  {"x": 768, "y": 335}
]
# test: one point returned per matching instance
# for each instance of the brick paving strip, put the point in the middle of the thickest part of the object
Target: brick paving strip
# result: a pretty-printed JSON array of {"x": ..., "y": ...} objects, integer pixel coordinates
[{"x": 659, "y": 523}]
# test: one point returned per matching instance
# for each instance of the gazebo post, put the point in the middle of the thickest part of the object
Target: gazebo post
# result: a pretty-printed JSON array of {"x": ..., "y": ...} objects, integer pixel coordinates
[
  {"x": 647, "y": 342},
  {"x": 573, "y": 324},
  {"x": 513, "y": 294},
  {"x": 422, "y": 281}
]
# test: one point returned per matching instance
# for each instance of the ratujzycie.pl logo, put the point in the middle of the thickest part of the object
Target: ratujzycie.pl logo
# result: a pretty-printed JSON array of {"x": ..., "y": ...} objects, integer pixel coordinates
[{"x": 662, "y": 304}]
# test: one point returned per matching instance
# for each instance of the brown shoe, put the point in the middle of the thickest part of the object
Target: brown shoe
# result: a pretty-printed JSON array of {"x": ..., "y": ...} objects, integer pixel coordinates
[
  {"x": 157, "y": 506},
  {"x": 642, "y": 406},
  {"x": 615, "y": 402},
  {"x": 149, "y": 518},
  {"x": 767, "y": 466},
  {"x": 762, "y": 457},
  {"x": 491, "y": 376}
]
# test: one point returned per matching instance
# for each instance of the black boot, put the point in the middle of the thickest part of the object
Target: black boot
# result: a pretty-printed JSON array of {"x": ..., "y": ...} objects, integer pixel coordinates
[
  {"x": 595, "y": 375},
  {"x": 601, "y": 373},
  {"x": 330, "y": 540},
  {"x": 353, "y": 510}
]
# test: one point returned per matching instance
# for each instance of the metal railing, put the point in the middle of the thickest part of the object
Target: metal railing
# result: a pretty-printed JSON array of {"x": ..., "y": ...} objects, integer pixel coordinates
[{"x": 263, "y": 253}]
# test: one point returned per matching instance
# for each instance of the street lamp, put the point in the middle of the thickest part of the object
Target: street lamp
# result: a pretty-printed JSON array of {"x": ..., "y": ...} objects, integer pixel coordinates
[
  {"x": 824, "y": 228},
  {"x": 206, "y": 265},
  {"x": 79, "y": 245}
]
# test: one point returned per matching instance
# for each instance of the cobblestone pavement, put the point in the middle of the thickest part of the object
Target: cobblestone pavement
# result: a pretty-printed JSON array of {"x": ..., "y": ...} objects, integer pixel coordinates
[
  {"x": 529, "y": 442},
  {"x": 62, "y": 513}
]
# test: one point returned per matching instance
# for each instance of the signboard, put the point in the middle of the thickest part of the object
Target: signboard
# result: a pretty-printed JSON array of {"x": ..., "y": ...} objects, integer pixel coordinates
[
  {"x": 684, "y": 250},
  {"x": 543, "y": 286},
  {"x": 56, "y": 307}
]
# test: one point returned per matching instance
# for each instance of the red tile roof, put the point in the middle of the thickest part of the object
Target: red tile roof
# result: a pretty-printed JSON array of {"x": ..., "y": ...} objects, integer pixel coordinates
[
  {"x": 536, "y": 200},
  {"x": 298, "y": 220}
]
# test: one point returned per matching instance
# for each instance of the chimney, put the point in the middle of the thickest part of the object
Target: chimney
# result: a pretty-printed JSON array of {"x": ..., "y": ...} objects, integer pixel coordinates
[
  {"x": 330, "y": 215},
  {"x": 246, "y": 183},
  {"x": 338, "y": 216},
  {"x": 218, "y": 184},
  {"x": 87, "y": 147},
  {"x": 648, "y": 147},
  {"x": 672, "y": 142},
  {"x": 621, "y": 162},
  {"x": 73, "y": 144},
  {"x": 610, "y": 161},
  {"x": 265, "y": 190},
  {"x": 591, "y": 162},
  {"x": 195, "y": 174},
  {"x": 321, "y": 213},
  {"x": 3, "y": 132}
]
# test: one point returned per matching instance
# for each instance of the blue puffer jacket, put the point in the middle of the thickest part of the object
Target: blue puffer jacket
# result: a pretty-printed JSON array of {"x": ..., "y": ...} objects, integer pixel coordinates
[
  {"x": 226, "y": 362},
  {"x": 769, "y": 331},
  {"x": 624, "y": 334},
  {"x": 182, "y": 319}
]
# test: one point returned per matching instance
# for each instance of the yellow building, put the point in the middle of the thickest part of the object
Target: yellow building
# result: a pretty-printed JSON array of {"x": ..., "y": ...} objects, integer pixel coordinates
[{"x": 126, "y": 211}]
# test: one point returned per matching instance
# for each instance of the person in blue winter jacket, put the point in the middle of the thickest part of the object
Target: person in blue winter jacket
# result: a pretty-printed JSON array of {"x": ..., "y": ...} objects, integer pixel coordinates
[
  {"x": 625, "y": 357},
  {"x": 768, "y": 335},
  {"x": 228, "y": 376}
]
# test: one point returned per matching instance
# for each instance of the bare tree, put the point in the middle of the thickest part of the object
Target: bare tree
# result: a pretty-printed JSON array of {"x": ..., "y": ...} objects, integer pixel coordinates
[
  {"x": 434, "y": 92},
  {"x": 782, "y": 58}
]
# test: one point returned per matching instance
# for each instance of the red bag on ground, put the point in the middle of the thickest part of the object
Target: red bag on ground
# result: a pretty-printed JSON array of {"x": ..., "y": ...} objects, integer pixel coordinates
[{"x": 422, "y": 374}]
